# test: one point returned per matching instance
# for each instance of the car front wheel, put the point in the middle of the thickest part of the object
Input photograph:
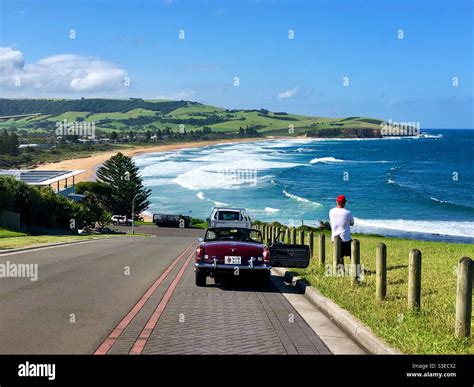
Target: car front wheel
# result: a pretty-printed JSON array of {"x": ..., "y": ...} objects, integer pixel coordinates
[{"x": 200, "y": 277}]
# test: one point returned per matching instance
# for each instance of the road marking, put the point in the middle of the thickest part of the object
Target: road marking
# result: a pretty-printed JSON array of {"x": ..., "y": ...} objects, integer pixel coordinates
[
  {"x": 113, "y": 337},
  {"x": 153, "y": 320}
]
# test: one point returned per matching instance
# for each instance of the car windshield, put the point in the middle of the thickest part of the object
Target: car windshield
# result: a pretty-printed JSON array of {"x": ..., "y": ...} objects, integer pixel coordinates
[
  {"x": 228, "y": 215},
  {"x": 233, "y": 234}
]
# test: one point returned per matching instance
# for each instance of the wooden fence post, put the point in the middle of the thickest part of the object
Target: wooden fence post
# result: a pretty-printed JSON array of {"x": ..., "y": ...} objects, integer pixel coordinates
[
  {"x": 337, "y": 254},
  {"x": 278, "y": 233},
  {"x": 311, "y": 244},
  {"x": 355, "y": 261},
  {"x": 462, "y": 326},
  {"x": 293, "y": 236},
  {"x": 322, "y": 249},
  {"x": 301, "y": 237},
  {"x": 414, "y": 280},
  {"x": 381, "y": 272}
]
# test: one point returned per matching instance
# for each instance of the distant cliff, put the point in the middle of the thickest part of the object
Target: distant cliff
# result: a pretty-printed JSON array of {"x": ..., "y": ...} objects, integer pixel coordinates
[{"x": 345, "y": 133}]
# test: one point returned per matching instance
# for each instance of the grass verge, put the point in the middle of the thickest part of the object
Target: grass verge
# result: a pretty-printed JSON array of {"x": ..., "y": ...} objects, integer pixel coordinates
[
  {"x": 431, "y": 331},
  {"x": 25, "y": 240}
]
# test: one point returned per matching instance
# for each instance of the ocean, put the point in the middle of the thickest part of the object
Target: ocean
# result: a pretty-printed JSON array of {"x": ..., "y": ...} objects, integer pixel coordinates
[{"x": 408, "y": 187}]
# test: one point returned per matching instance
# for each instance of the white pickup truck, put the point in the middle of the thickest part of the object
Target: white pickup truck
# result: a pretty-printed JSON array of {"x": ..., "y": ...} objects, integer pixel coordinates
[{"x": 229, "y": 217}]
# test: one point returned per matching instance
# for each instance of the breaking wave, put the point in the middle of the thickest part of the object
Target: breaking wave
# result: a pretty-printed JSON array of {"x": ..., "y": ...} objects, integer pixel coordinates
[
  {"x": 326, "y": 160},
  {"x": 300, "y": 199}
]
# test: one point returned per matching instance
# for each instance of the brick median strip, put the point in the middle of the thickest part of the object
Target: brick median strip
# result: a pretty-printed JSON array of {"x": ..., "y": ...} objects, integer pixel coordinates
[
  {"x": 113, "y": 337},
  {"x": 153, "y": 320}
]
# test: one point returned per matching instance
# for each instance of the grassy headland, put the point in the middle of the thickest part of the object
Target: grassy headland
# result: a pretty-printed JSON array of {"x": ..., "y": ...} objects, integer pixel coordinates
[{"x": 122, "y": 124}]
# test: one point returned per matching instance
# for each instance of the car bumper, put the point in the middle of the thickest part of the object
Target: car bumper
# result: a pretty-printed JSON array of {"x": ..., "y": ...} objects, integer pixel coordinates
[{"x": 221, "y": 266}]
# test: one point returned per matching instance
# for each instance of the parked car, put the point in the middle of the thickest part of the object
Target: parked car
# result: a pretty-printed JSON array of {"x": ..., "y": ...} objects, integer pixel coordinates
[
  {"x": 241, "y": 251},
  {"x": 229, "y": 217},
  {"x": 165, "y": 220},
  {"x": 121, "y": 220}
]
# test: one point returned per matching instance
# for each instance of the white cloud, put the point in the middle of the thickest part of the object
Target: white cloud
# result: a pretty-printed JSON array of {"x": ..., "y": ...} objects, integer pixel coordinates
[
  {"x": 10, "y": 59},
  {"x": 289, "y": 93},
  {"x": 67, "y": 73}
]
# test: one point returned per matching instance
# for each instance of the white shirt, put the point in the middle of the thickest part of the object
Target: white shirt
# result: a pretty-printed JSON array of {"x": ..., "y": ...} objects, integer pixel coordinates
[{"x": 341, "y": 222}]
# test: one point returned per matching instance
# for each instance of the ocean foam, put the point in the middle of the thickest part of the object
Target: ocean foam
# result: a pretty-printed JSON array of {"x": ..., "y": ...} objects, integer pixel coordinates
[
  {"x": 300, "y": 199},
  {"x": 326, "y": 160},
  {"x": 270, "y": 210},
  {"x": 223, "y": 175},
  {"x": 166, "y": 169},
  {"x": 452, "y": 228}
]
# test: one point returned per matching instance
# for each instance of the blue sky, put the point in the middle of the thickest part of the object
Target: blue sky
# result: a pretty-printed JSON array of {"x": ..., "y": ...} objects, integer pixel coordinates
[{"x": 409, "y": 79}]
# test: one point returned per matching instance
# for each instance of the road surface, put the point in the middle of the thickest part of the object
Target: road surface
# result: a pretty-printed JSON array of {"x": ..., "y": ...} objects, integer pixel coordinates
[{"x": 136, "y": 295}]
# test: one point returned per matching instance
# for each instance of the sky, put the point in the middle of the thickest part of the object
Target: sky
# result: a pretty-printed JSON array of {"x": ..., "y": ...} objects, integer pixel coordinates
[{"x": 391, "y": 59}]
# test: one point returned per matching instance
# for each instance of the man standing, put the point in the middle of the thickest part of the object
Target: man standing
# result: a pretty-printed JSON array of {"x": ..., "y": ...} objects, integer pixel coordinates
[{"x": 341, "y": 222}]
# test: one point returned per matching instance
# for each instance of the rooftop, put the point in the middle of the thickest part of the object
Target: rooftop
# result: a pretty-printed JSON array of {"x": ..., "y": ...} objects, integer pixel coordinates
[{"x": 39, "y": 177}]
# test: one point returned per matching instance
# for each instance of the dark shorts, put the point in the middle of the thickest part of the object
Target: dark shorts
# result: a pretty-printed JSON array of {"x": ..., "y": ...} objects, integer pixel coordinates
[{"x": 346, "y": 249}]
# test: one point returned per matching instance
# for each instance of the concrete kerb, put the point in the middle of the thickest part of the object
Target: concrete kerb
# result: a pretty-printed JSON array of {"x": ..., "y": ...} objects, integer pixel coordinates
[{"x": 361, "y": 333}]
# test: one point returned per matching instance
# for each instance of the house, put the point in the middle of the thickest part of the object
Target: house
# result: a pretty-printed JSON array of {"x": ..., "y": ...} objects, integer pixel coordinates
[{"x": 61, "y": 182}]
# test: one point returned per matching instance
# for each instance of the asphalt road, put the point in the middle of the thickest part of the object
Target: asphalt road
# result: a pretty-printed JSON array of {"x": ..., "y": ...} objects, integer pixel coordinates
[
  {"x": 137, "y": 296},
  {"x": 82, "y": 291}
]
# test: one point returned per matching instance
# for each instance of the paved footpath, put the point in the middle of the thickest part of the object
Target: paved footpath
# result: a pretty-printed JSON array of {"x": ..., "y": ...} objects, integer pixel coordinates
[
  {"x": 155, "y": 310},
  {"x": 239, "y": 317}
]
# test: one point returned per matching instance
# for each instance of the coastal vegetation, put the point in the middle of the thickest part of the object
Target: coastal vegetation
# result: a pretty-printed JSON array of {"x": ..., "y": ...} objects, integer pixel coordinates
[
  {"x": 44, "y": 209},
  {"x": 119, "y": 184}
]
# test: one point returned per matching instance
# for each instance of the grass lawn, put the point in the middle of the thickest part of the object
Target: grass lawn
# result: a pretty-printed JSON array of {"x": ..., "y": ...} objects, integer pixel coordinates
[
  {"x": 12, "y": 240},
  {"x": 431, "y": 331},
  {"x": 4, "y": 233}
]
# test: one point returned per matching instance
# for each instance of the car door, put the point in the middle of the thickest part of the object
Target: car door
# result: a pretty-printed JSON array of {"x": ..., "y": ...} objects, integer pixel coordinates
[{"x": 289, "y": 255}]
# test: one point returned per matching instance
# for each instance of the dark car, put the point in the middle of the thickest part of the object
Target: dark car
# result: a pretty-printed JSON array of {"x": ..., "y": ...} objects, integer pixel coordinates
[
  {"x": 241, "y": 251},
  {"x": 165, "y": 220}
]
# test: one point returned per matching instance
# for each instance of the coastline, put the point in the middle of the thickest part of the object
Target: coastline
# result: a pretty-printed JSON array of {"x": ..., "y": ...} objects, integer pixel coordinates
[
  {"x": 90, "y": 163},
  {"x": 416, "y": 232}
]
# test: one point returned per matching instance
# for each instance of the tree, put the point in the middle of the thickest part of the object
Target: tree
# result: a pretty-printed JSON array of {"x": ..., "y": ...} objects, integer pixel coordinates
[
  {"x": 121, "y": 173},
  {"x": 96, "y": 193},
  {"x": 113, "y": 136},
  {"x": 9, "y": 143}
]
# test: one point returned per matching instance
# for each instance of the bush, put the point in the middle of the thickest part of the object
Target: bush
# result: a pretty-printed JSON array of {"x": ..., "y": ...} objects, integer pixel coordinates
[{"x": 42, "y": 208}]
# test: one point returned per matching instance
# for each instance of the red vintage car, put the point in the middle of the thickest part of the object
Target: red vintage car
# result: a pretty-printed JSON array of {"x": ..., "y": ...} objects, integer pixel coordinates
[{"x": 241, "y": 251}]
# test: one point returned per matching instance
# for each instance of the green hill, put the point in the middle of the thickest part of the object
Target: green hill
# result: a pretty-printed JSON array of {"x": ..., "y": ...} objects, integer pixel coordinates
[{"x": 141, "y": 115}]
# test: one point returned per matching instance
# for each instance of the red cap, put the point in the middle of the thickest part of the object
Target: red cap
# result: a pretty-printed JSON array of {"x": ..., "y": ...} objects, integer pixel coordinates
[{"x": 341, "y": 199}]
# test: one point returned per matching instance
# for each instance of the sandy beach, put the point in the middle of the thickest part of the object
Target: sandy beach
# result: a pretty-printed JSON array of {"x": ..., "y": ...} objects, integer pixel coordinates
[{"x": 91, "y": 163}]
